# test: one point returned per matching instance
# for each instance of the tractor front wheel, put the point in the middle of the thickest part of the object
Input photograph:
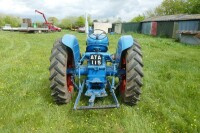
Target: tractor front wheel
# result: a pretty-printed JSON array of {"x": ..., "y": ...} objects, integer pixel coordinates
[
  {"x": 61, "y": 83},
  {"x": 131, "y": 82}
]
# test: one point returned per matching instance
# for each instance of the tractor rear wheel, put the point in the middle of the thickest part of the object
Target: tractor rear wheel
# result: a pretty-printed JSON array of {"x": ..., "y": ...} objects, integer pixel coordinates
[
  {"x": 61, "y": 83},
  {"x": 131, "y": 83}
]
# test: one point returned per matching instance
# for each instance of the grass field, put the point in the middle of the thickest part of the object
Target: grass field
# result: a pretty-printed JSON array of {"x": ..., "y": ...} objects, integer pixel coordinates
[{"x": 170, "y": 101}]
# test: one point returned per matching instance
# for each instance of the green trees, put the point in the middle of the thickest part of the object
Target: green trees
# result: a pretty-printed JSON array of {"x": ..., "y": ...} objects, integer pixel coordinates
[
  {"x": 171, "y": 7},
  {"x": 138, "y": 18},
  {"x": 80, "y": 22},
  {"x": 65, "y": 23},
  {"x": 68, "y": 22},
  {"x": 193, "y": 6},
  {"x": 74, "y": 22},
  {"x": 53, "y": 20},
  {"x": 12, "y": 20}
]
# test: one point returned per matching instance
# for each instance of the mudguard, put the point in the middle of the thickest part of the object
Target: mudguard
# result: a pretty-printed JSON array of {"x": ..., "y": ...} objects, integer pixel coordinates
[
  {"x": 72, "y": 43},
  {"x": 124, "y": 43}
]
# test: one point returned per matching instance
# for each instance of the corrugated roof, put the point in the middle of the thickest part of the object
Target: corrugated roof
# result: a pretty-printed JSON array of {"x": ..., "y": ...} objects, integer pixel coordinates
[{"x": 174, "y": 17}]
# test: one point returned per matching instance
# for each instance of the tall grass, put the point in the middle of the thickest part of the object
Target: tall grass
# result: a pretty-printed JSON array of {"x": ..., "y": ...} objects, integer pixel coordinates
[{"x": 169, "y": 103}]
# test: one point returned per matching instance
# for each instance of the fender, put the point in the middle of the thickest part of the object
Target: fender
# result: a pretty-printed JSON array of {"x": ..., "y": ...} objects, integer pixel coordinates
[
  {"x": 124, "y": 43},
  {"x": 72, "y": 43}
]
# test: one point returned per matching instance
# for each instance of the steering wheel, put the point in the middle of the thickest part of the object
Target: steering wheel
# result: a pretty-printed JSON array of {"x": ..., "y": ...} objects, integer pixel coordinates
[{"x": 96, "y": 36}]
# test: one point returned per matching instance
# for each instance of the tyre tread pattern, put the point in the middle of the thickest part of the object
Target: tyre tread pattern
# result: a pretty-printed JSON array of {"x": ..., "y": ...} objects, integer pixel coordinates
[
  {"x": 134, "y": 74},
  {"x": 58, "y": 66}
]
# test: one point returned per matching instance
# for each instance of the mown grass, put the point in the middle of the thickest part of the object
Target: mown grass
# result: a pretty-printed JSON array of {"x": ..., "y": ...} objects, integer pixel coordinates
[{"x": 169, "y": 103}]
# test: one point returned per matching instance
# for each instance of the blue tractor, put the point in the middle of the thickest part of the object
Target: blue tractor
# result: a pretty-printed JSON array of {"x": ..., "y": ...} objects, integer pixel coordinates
[{"x": 95, "y": 72}]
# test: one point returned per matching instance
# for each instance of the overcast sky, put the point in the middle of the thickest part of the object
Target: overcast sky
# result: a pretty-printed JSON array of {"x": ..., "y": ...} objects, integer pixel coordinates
[{"x": 98, "y": 9}]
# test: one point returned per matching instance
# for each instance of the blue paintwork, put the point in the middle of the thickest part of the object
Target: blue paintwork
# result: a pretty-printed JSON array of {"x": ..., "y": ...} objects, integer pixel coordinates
[
  {"x": 188, "y": 25},
  {"x": 96, "y": 75},
  {"x": 124, "y": 43},
  {"x": 96, "y": 80},
  {"x": 84, "y": 71},
  {"x": 71, "y": 42},
  {"x": 101, "y": 43}
]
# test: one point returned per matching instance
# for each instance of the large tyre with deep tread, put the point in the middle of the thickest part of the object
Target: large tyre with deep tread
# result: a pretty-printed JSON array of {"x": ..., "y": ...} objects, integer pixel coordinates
[
  {"x": 131, "y": 82},
  {"x": 60, "y": 90}
]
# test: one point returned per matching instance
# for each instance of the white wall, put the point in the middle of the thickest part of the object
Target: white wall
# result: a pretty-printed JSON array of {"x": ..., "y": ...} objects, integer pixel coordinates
[{"x": 102, "y": 26}]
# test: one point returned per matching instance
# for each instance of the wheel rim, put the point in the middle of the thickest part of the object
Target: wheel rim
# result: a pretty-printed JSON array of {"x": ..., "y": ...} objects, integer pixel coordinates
[
  {"x": 70, "y": 85},
  {"x": 123, "y": 77}
]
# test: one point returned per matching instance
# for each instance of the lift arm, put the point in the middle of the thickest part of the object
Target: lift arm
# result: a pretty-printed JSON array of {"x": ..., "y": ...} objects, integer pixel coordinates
[{"x": 42, "y": 15}]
